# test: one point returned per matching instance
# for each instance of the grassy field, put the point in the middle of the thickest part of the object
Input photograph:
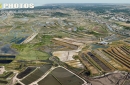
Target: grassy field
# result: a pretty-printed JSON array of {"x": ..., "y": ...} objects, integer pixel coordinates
[
  {"x": 124, "y": 24},
  {"x": 29, "y": 52}
]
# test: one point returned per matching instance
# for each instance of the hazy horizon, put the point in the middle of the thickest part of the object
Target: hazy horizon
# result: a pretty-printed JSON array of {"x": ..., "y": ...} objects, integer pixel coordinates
[{"x": 38, "y": 3}]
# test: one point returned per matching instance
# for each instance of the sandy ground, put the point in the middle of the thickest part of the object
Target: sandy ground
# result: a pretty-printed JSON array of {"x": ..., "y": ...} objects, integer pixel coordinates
[
  {"x": 125, "y": 24},
  {"x": 75, "y": 63},
  {"x": 30, "y": 38},
  {"x": 65, "y": 55},
  {"x": 2, "y": 69}
]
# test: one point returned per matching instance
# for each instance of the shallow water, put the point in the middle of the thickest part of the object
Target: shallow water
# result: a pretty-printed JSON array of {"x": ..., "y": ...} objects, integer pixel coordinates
[{"x": 96, "y": 46}]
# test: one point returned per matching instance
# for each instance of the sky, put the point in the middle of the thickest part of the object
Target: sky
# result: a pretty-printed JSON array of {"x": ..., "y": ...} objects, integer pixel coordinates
[{"x": 42, "y": 2}]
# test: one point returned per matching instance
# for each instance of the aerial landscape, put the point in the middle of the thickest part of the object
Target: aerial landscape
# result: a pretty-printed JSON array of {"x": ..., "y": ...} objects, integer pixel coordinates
[{"x": 65, "y": 44}]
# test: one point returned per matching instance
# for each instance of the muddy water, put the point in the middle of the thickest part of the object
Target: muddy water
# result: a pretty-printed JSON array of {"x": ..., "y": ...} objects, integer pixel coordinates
[
  {"x": 96, "y": 46},
  {"x": 49, "y": 80},
  {"x": 60, "y": 76},
  {"x": 65, "y": 77}
]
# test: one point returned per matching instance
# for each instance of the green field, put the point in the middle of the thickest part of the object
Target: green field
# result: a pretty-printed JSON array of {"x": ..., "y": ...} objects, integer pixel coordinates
[{"x": 29, "y": 52}]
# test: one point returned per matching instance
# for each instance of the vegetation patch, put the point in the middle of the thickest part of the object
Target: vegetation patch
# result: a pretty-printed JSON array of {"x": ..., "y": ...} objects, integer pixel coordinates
[
  {"x": 59, "y": 14},
  {"x": 29, "y": 52}
]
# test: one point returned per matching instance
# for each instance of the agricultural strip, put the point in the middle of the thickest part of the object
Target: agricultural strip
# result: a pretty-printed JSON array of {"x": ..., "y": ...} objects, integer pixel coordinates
[
  {"x": 100, "y": 63},
  {"x": 109, "y": 59},
  {"x": 88, "y": 64},
  {"x": 120, "y": 54}
]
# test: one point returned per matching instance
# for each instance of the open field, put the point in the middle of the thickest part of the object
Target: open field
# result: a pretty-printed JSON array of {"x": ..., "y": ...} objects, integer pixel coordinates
[
  {"x": 124, "y": 24},
  {"x": 83, "y": 38},
  {"x": 29, "y": 52},
  {"x": 99, "y": 29}
]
